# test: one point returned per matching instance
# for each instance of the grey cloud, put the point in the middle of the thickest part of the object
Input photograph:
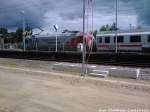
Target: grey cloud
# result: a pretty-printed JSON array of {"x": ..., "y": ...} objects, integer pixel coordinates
[
  {"x": 10, "y": 12},
  {"x": 48, "y": 12},
  {"x": 141, "y": 8},
  {"x": 71, "y": 16}
]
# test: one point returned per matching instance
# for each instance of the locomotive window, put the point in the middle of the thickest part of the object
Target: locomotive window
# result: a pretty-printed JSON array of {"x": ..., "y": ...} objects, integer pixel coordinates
[
  {"x": 135, "y": 38},
  {"x": 120, "y": 39},
  {"x": 107, "y": 39},
  {"x": 148, "y": 38},
  {"x": 100, "y": 40}
]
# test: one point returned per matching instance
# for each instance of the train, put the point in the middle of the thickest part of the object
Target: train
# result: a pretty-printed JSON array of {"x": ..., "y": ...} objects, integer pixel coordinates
[
  {"x": 68, "y": 41},
  {"x": 106, "y": 41},
  {"x": 124, "y": 41}
]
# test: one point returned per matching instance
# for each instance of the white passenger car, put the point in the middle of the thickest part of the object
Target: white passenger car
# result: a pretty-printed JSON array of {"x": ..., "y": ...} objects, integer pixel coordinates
[{"x": 128, "y": 41}]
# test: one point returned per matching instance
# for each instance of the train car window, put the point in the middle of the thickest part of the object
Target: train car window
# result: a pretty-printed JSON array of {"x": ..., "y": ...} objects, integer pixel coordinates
[
  {"x": 100, "y": 40},
  {"x": 120, "y": 39},
  {"x": 107, "y": 39},
  {"x": 135, "y": 38},
  {"x": 148, "y": 38}
]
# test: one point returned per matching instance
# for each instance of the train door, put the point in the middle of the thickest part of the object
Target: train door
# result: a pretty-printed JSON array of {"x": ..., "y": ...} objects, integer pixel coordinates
[
  {"x": 99, "y": 42},
  {"x": 106, "y": 45},
  {"x": 146, "y": 44}
]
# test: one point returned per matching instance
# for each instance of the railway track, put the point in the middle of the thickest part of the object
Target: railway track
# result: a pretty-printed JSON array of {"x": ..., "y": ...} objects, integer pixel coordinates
[{"x": 122, "y": 59}]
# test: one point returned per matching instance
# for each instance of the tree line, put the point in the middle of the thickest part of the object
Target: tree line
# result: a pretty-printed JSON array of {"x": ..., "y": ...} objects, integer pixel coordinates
[
  {"x": 14, "y": 37},
  {"x": 105, "y": 28}
]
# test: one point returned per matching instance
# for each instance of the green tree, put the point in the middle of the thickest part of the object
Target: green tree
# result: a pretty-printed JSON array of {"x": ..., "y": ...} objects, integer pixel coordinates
[
  {"x": 105, "y": 28},
  {"x": 113, "y": 27},
  {"x": 19, "y": 35},
  {"x": 139, "y": 27},
  {"x": 95, "y": 33},
  {"x": 28, "y": 30},
  {"x": 3, "y": 32},
  {"x": 109, "y": 27},
  {"x": 3, "y": 35}
]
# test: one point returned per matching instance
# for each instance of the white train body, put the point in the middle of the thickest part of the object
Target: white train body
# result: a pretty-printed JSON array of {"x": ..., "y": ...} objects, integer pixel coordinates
[
  {"x": 137, "y": 40},
  {"x": 66, "y": 41}
]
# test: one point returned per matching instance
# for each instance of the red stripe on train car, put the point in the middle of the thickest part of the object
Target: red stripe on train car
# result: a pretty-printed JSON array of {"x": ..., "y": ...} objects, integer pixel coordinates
[
  {"x": 108, "y": 46},
  {"x": 104, "y": 46},
  {"x": 130, "y": 45}
]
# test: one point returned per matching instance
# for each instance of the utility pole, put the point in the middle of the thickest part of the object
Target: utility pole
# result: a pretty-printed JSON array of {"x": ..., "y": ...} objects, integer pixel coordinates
[
  {"x": 0, "y": 41},
  {"x": 36, "y": 44},
  {"x": 23, "y": 30},
  {"x": 87, "y": 14},
  {"x": 92, "y": 17},
  {"x": 56, "y": 29},
  {"x": 130, "y": 25},
  {"x": 56, "y": 41},
  {"x": 83, "y": 51},
  {"x": 116, "y": 27}
]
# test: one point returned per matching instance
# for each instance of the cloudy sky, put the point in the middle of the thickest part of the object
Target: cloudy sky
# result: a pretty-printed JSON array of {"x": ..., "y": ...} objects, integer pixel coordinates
[{"x": 68, "y": 13}]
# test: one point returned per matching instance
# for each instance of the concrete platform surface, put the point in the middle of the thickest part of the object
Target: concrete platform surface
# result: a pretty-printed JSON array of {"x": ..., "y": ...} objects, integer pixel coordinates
[{"x": 24, "y": 90}]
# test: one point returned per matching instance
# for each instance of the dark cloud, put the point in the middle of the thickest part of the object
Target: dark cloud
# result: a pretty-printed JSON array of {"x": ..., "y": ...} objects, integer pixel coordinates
[
  {"x": 10, "y": 15},
  {"x": 141, "y": 8},
  {"x": 144, "y": 13},
  {"x": 71, "y": 16},
  {"x": 48, "y": 12}
]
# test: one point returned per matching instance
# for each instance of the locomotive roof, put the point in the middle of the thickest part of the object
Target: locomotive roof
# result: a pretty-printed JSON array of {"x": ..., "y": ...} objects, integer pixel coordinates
[
  {"x": 53, "y": 35},
  {"x": 65, "y": 35},
  {"x": 123, "y": 32}
]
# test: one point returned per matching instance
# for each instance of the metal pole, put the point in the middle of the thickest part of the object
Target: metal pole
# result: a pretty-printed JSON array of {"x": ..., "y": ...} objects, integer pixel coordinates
[
  {"x": 116, "y": 27},
  {"x": 36, "y": 44},
  {"x": 92, "y": 16},
  {"x": 23, "y": 31},
  {"x": 130, "y": 27},
  {"x": 87, "y": 12},
  {"x": 56, "y": 42},
  {"x": 83, "y": 52},
  {"x": 3, "y": 43}
]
